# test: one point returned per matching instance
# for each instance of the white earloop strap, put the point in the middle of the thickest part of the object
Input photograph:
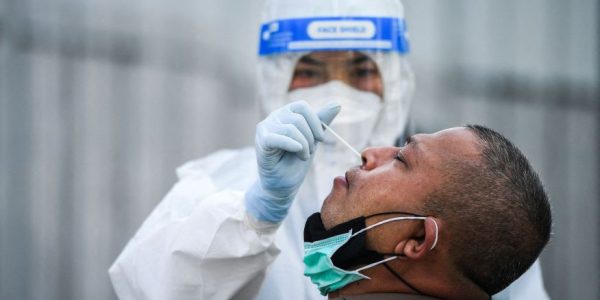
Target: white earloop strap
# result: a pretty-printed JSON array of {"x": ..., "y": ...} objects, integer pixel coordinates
[
  {"x": 387, "y": 221},
  {"x": 437, "y": 230},
  {"x": 376, "y": 263}
]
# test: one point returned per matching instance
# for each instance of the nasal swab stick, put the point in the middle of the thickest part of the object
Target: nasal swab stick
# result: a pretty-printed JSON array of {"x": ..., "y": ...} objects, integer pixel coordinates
[{"x": 342, "y": 140}]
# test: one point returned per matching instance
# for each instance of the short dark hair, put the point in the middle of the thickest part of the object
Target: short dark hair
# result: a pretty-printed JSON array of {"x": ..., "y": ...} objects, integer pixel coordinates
[{"x": 497, "y": 213}]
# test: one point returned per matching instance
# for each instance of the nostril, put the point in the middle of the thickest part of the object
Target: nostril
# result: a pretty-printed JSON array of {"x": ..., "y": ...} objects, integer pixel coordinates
[{"x": 364, "y": 160}]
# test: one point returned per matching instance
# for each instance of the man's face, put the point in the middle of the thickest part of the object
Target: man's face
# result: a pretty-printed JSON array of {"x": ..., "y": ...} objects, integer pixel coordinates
[
  {"x": 353, "y": 68},
  {"x": 397, "y": 179}
]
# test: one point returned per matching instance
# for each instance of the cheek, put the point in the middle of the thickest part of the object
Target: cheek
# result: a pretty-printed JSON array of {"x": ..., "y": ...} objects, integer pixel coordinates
[{"x": 375, "y": 196}]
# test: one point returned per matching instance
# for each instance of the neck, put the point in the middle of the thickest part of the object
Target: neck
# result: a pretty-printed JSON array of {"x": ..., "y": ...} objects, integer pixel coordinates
[
  {"x": 382, "y": 281},
  {"x": 425, "y": 279}
]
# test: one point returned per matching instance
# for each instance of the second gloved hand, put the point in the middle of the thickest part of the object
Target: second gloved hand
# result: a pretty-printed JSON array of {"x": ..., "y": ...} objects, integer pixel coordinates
[{"x": 285, "y": 145}]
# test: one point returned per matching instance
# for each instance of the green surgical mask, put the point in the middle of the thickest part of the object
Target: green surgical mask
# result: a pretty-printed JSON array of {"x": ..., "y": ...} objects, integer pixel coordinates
[{"x": 325, "y": 259}]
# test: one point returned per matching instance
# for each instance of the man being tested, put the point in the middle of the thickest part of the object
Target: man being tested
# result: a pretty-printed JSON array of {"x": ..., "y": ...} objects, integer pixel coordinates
[{"x": 458, "y": 214}]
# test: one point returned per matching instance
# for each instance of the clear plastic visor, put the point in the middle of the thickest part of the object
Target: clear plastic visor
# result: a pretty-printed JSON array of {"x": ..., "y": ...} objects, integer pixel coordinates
[{"x": 353, "y": 68}]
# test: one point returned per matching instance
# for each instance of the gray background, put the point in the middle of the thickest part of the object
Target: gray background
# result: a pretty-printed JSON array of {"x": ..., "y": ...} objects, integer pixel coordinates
[{"x": 101, "y": 99}]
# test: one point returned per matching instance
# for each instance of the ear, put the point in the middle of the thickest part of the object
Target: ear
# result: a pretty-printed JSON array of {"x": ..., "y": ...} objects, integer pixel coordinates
[{"x": 422, "y": 242}]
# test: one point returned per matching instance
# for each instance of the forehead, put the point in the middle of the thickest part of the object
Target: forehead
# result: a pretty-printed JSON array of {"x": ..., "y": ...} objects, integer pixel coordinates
[
  {"x": 458, "y": 140},
  {"x": 457, "y": 144}
]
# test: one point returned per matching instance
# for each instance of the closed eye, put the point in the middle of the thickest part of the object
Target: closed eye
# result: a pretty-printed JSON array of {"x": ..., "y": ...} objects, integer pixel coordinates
[{"x": 400, "y": 157}]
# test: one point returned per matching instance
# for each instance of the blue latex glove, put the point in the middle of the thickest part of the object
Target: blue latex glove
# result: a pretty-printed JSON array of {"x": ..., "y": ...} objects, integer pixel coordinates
[{"x": 285, "y": 145}]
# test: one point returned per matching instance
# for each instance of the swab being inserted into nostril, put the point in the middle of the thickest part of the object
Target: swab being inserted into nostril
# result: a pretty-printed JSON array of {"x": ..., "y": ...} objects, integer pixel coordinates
[{"x": 342, "y": 140}]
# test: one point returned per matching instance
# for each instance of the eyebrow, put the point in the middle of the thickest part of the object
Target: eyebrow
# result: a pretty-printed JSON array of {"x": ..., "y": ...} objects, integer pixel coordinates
[
  {"x": 359, "y": 60},
  {"x": 314, "y": 62},
  {"x": 311, "y": 61}
]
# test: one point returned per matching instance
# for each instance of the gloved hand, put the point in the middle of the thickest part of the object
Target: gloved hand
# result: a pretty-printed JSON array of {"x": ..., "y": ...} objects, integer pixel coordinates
[{"x": 285, "y": 145}]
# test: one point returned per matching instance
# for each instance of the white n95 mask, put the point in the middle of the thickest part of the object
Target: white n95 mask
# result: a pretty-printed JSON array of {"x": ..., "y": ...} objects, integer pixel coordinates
[
  {"x": 355, "y": 123},
  {"x": 358, "y": 117}
]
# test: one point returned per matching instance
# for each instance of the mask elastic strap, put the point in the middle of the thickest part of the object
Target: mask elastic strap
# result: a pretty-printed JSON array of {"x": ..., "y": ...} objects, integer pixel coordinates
[
  {"x": 437, "y": 229},
  {"x": 384, "y": 222},
  {"x": 376, "y": 263},
  {"x": 393, "y": 213},
  {"x": 379, "y": 224}
]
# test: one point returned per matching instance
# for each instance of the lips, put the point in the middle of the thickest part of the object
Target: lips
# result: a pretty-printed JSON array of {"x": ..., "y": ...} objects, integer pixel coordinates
[
  {"x": 341, "y": 180},
  {"x": 346, "y": 178}
]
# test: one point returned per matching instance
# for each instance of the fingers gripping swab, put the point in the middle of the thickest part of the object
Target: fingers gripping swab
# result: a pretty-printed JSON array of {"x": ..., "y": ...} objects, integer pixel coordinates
[{"x": 342, "y": 140}]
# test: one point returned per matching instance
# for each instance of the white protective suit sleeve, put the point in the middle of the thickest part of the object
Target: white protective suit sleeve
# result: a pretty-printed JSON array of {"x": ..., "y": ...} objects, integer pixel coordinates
[{"x": 198, "y": 243}]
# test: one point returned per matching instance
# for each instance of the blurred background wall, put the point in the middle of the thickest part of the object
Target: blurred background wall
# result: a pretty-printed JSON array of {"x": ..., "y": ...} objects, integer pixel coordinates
[{"x": 100, "y": 100}]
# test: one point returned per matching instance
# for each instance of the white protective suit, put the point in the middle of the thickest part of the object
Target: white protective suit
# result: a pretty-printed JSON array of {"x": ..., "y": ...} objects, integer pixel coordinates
[{"x": 199, "y": 243}]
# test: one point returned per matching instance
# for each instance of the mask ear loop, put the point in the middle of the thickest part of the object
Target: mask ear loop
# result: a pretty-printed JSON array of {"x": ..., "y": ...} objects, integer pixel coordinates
[
  {"x": 395, "y": 256},
  {"x": 379, "y": 224},
  {"x": 412, "y": 287},
  {"x": 387, "y": 221},
  {"x": 437, "y": 230},
  {"x": 376, "y": 263},
  {"x": 393, "y": 213},
  {"x": 411, "y": 215}
]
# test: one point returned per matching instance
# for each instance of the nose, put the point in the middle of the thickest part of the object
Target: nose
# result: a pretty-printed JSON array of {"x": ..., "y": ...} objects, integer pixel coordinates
[
  {"x": 337, "y": 74},
  {"x": 375, "y": 156}
]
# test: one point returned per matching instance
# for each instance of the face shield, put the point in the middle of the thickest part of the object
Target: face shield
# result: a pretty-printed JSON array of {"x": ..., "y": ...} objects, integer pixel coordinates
[{"x": 350, "y": 51}]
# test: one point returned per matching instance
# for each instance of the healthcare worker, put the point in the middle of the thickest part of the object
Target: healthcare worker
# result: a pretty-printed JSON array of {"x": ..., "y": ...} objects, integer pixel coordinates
[{"x": 203, "y": 241}]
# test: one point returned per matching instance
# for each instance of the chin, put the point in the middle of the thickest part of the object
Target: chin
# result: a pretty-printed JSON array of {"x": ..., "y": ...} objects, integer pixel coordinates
[
  {"x": 326, "y": 203},
  {"x": 330, "y": 211}
]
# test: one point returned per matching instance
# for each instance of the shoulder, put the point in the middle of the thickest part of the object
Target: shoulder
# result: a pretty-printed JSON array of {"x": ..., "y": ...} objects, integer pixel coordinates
[{"x": 215, "y": 161}]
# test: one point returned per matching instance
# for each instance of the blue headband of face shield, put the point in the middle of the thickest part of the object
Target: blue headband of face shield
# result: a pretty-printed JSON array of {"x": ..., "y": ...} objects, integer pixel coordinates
[{"x": 333, "y": 33}]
